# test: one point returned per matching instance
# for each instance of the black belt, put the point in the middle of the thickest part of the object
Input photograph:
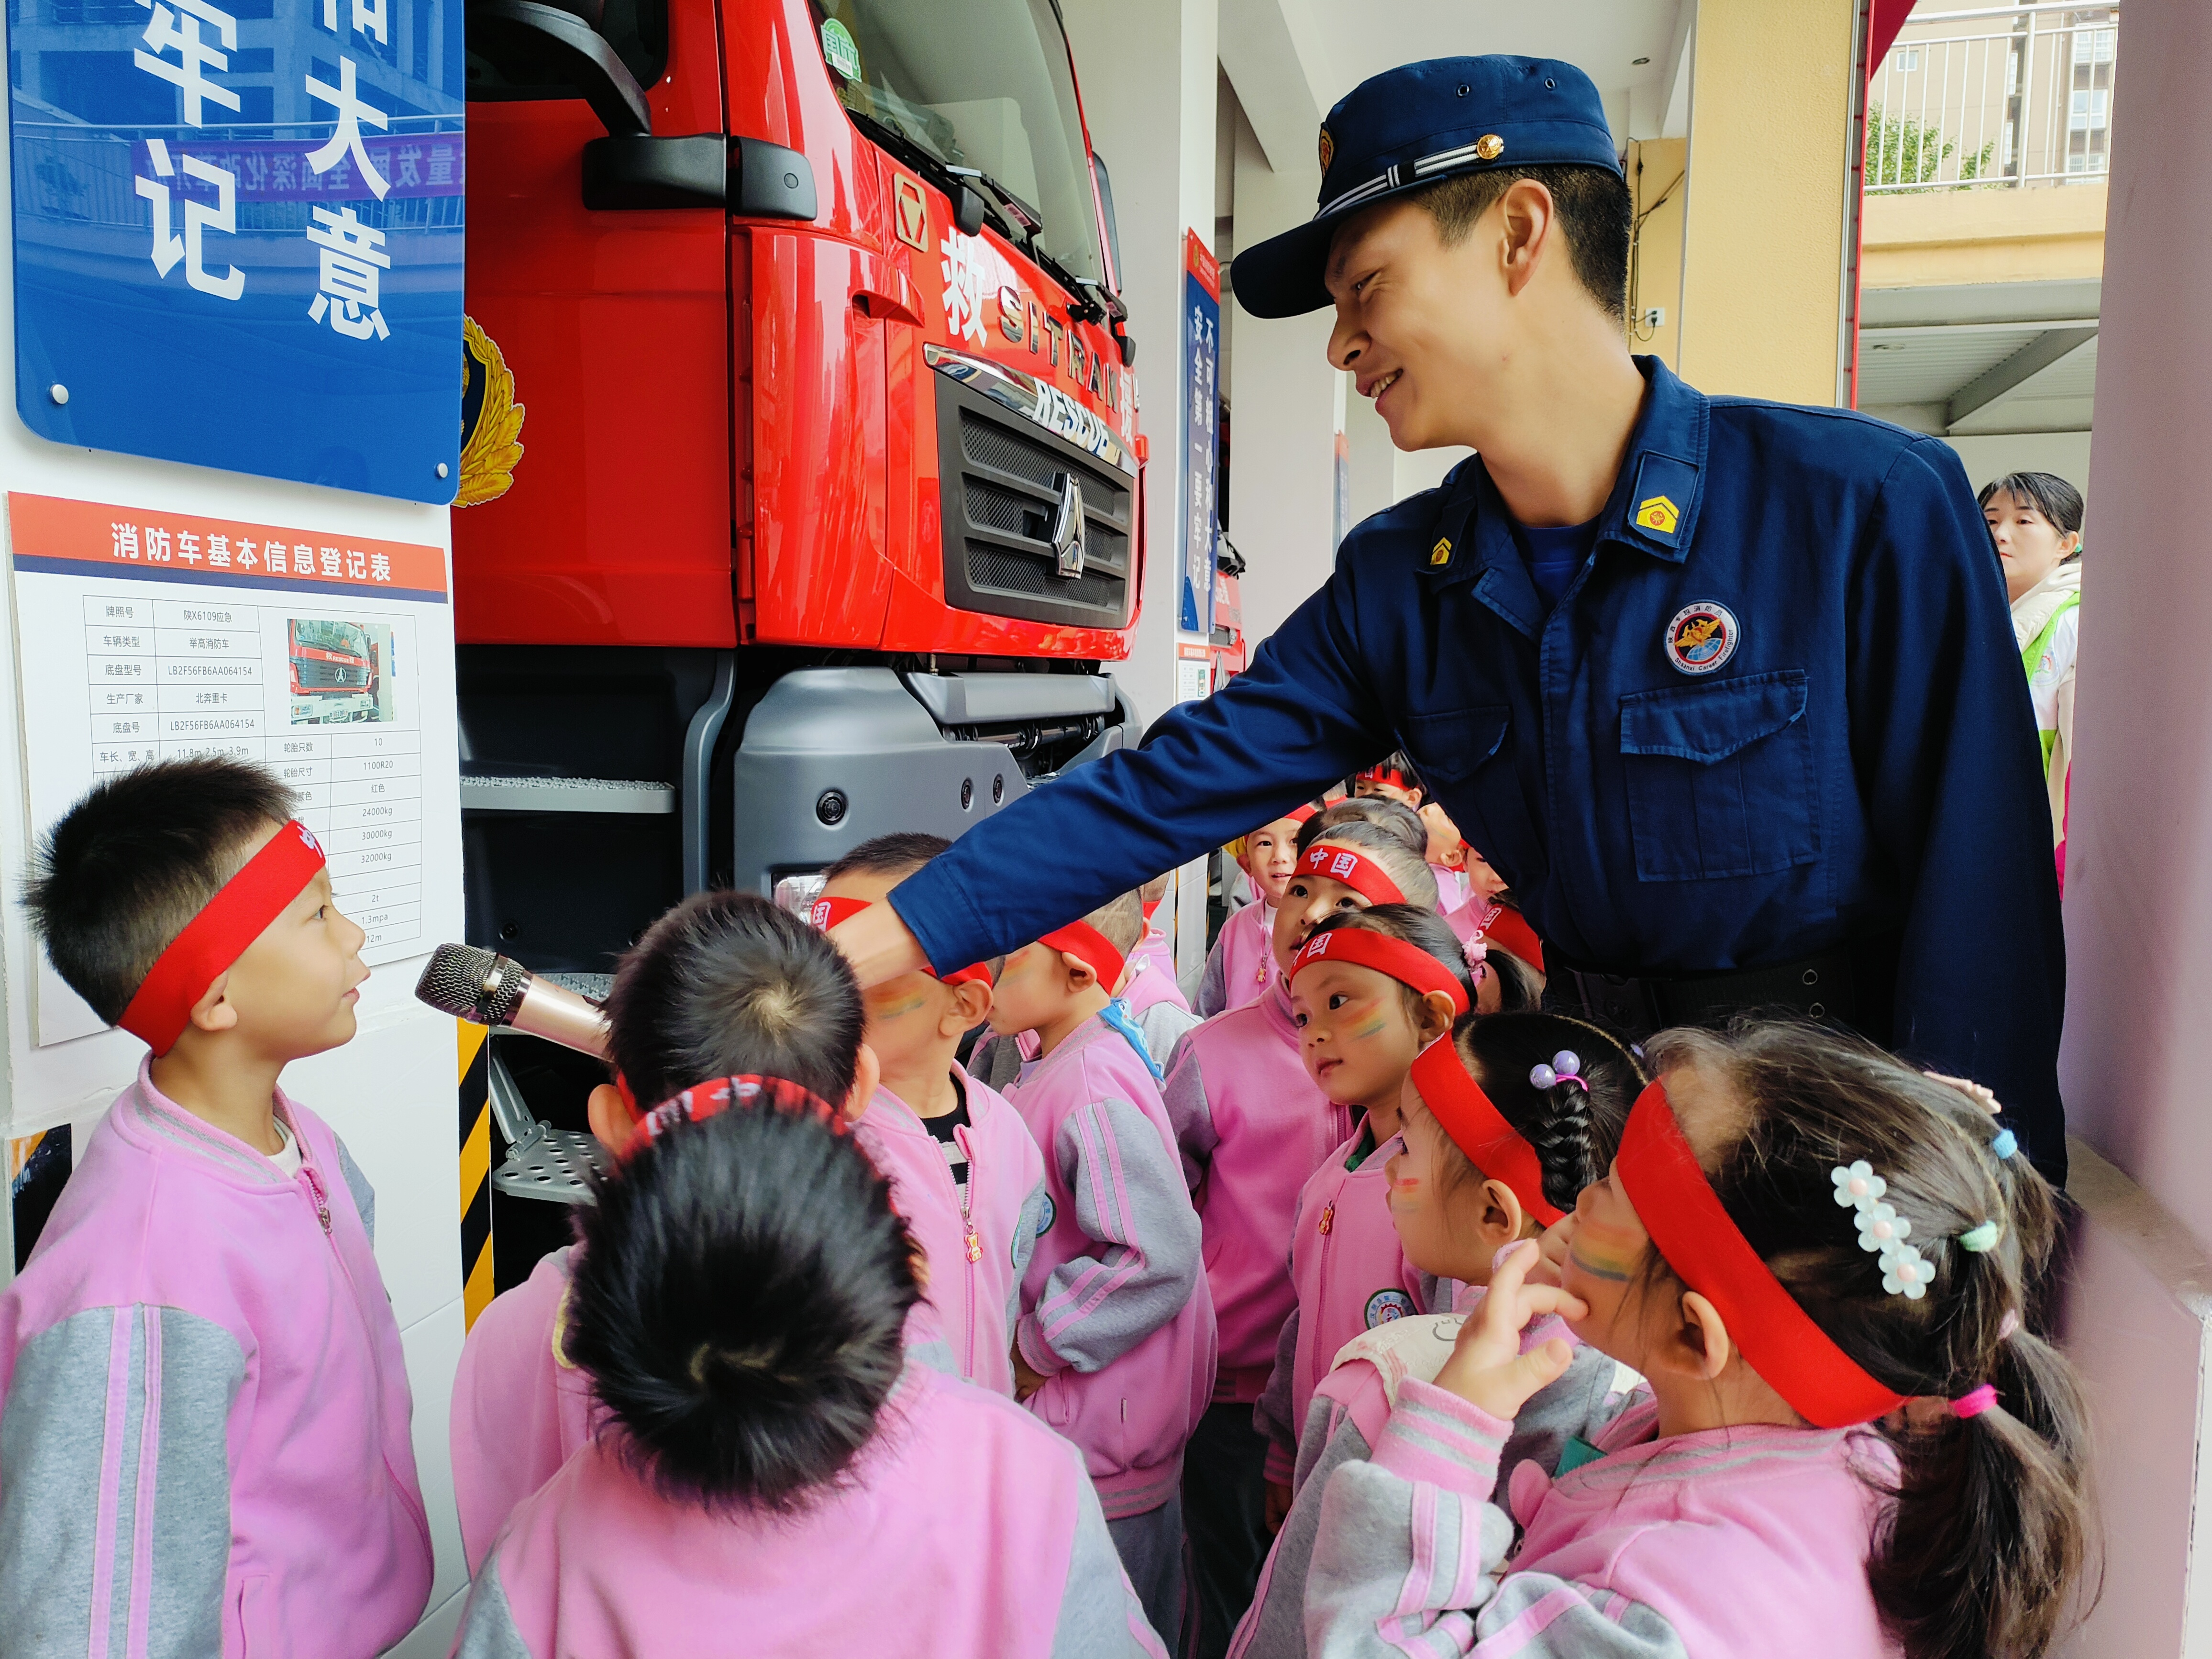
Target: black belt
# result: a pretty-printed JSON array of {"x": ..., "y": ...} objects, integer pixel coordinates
[{"x": 1853, "y": 985}]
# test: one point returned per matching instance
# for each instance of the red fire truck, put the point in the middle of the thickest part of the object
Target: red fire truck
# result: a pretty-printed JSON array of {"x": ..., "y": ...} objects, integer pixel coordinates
[{"x": 828, "y": 515}]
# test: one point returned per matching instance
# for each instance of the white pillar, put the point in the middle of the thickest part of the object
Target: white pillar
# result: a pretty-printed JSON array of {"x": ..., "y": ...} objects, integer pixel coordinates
[
  {"x": 1149, "y": 73},
  {"x": 2138, "y": 904},
  {"x": 1282, "y": 481}
]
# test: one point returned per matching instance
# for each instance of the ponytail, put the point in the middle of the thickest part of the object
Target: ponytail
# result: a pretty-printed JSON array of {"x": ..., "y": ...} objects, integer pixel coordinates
[{"x": 1991, "y": 1517}]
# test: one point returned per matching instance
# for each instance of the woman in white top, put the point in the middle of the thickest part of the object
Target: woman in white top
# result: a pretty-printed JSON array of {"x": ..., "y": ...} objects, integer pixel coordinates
[{"x": 2035, "y": 518}]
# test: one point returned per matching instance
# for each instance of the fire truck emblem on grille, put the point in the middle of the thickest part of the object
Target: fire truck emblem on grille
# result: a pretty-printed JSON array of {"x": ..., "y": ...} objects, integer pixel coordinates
[{"x": 1067, "y": 528}]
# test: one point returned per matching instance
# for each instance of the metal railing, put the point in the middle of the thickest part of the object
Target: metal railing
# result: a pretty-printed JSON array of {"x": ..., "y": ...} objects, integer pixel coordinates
[{"x": 1994, "y": 99}]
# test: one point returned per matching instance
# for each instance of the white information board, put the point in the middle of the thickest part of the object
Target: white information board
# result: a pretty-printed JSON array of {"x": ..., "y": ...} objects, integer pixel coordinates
[{"x": 146, "y": 635}]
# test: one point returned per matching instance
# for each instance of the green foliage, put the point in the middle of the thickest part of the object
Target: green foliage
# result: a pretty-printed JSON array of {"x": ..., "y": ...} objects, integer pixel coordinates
[{"x": 1900, "y": 150}]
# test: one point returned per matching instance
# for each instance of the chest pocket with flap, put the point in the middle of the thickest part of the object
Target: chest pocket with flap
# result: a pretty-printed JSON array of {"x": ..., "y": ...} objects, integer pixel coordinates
[{"x": 1720, "y": 778}]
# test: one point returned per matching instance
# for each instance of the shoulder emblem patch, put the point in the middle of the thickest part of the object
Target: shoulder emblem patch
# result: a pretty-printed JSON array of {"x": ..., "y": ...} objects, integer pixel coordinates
[
  {"x": 1702, "y": 636},
  {"x": 1658, "y": 515},
  {"x": 1441, "y": 553},
  {"x": 1328, "y": 149}
]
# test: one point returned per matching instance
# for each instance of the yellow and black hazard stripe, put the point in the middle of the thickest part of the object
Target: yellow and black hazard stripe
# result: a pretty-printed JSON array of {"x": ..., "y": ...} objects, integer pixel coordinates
[{"x": 476, "y": 1169}]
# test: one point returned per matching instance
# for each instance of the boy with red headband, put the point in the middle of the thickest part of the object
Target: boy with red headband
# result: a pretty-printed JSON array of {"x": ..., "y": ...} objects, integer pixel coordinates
[
  {"x": 203, "y": 1405},
  {"x": 1252, "y": 1127},
  {"x": 963, "y": 1170},
  {"x": 724, "y": 985},
  {"x": 1240, "y": 965},
  {"x": 1115, "y": 1347}
]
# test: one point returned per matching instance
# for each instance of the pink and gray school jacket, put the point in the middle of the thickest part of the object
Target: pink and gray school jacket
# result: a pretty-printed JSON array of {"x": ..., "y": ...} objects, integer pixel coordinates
[
  {"x": 978, "y": 1249},
  {"x": 204, "y": 1406},
  {"x": 1116, "y": 1315},
  {"x": 1153, "y": 975},
  {"x": 1240, "y": 966},
  {"x": 1350, "y": 1408},
  {"x": 964, "y": 1529},
  {"x": 1351, "y": 1275},
  {"x": 1252, "y": 1128},
  {"x": 1726, "y": 1544}
]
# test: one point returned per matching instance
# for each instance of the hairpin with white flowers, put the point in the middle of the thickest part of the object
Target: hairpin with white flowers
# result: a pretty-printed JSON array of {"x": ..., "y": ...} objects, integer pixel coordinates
[
  {"x": 1566, "y": 1066},
  {"x": 1882, "y": 1231}
]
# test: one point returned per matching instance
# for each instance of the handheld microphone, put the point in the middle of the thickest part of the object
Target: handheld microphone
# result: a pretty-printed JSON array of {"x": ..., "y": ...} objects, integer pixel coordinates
[{"x": 486, "y": 988}]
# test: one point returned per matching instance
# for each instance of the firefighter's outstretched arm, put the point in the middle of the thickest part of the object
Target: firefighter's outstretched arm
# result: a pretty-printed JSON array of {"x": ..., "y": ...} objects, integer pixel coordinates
[{"x": 1302, "y": 715}]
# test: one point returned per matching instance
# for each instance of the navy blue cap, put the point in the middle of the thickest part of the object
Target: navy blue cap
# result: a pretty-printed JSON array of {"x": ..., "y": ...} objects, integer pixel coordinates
[{"x": 1410, "y": 126}]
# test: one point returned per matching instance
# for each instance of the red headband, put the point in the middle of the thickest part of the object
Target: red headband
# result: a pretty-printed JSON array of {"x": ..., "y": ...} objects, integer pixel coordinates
[
  {"x": 1707, "y": 1253},
  {"x": 1301, "y": 812},
  {"x": 1478, "y": 1128},
  {"x": 1091, "y": 947},
  {"x": 1389, "y": 775},
  {"x": 1364, "y": 947},
  {"x": 826, "y": 913},
  {"x": 1361, "y": 874},
  {"x": 242, "y": 908},
  {"x": 704, "y": 1100}
]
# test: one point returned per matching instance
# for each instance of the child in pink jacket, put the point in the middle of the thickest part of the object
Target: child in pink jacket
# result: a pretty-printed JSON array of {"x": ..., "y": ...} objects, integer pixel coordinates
[
  {"x": 1116, "y": 1347},
  {"x": 775, "y": 1474},
  {"x": 1242, "y": 964},
  {"x": 963, "y": 1170},
  {"x": 204, "y": 1406},
  {"x": 1773, "y": 1491},
  {"x": 1360, "y": 1027},
  {"x": 1252, "y": 1127},
  {"x": 723, "y": 984},
  {"x": 1452, "y": 1220}
]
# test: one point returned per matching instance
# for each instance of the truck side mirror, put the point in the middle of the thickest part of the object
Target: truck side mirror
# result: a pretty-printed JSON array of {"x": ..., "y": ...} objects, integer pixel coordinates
[{"x": 544, "y": 46}]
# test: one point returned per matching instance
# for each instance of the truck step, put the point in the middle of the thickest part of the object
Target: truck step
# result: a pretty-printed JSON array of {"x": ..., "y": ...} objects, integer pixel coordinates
[
  {"x": 500, "y": 795},
  {"x": 553, "y": 1165}
]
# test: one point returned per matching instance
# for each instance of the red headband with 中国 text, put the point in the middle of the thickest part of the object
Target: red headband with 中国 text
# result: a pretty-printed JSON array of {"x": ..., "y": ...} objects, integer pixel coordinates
[
  {"x": 1363, "y": 947},
  {"x": 1389, "y": 775},
  {"x": 1091, "y": 947},
  {"x": 242, "y": 908},
  {"x": 1358, "y": 873},
  {"x": 1659, "y": 1173},
  {"x": 1471, "y": 1118},
  {"x": 826, "y": 913}
]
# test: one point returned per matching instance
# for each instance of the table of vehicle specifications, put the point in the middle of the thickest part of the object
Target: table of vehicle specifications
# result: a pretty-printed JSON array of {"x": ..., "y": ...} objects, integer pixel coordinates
[{"x": 146, "y": 635}]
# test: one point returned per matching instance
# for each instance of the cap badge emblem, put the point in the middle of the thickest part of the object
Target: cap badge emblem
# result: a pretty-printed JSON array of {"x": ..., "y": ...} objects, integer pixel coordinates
[
  {"x": 1701, "y": 637},
  {"x": 1658, "y": 512},
  {"x": 1441, "y": 553},
  {"x": 1489, "y": 147},
  {"x": 1328, "y": 149}
]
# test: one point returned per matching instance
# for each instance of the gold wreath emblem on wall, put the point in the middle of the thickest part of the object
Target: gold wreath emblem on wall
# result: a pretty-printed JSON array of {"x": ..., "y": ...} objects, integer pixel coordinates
[{"x": 491, "y": 421}]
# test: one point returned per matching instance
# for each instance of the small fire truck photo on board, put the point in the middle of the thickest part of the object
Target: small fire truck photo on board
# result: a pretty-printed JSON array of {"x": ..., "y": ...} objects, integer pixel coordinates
[{"x": 341, "y": 671}]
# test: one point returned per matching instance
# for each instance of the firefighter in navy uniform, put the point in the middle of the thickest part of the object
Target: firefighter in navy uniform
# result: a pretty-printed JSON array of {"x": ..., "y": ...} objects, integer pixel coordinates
[{"x": 1725, "y": 688}]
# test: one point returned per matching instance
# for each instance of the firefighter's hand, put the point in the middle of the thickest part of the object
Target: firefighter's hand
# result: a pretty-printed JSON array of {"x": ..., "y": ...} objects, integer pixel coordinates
[{"x": 878, "y": 944}]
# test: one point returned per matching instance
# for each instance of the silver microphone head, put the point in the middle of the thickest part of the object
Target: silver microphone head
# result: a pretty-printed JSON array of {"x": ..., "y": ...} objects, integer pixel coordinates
[{"x": 481, "y": 986}]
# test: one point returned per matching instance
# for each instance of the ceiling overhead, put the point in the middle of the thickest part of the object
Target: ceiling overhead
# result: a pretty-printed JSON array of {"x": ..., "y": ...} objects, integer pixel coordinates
[{"x": 1969, "y": 358}]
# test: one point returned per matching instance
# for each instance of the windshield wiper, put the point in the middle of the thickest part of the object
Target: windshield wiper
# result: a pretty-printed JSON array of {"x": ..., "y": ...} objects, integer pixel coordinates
[
  {"x": 948, "y": 178},
  {"x": 1024, "y": 214}
]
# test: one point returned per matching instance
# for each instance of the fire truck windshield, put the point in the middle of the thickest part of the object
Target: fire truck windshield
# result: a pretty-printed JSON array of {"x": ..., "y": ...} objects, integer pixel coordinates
[{"x": 982, "y": 84}]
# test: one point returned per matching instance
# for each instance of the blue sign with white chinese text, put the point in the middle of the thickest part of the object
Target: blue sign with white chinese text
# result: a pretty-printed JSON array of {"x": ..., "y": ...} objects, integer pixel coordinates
[
  {"x": 1201, "y": 432},
  {"x": 238, "y": 233}
]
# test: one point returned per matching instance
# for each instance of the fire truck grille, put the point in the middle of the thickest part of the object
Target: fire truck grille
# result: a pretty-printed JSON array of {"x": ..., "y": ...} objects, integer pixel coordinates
[
  {"x": 1002, "y": 479},
  {"x": 316, "y": 674}
]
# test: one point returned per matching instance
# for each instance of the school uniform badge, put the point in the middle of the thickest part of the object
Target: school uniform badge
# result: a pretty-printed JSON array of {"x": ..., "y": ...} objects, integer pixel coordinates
[
  {"x": 1384, "y": 1306},
  {"x": 1701, "y": 637}
]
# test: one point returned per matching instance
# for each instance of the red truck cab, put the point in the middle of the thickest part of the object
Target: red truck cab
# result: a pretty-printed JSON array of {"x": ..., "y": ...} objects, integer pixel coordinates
[{"x": 828, "y": 514}]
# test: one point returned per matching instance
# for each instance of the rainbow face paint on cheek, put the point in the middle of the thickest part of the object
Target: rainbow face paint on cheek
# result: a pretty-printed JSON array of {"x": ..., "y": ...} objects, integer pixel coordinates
[{"x": 1603, "y": 1252}]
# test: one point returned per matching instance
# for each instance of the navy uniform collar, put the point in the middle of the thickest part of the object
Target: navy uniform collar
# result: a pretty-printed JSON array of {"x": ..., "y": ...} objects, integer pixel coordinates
[{"x": 1653, "y": 508}]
